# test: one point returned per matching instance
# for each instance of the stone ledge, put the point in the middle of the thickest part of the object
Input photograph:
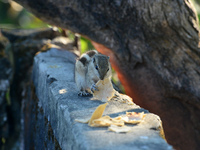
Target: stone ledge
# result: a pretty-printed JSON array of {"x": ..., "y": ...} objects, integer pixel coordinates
[{"x": 53, "y": 78}]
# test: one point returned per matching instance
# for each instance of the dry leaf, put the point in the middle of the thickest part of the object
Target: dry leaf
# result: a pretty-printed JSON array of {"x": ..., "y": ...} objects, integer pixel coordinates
[
  {"x": 106, "y": 121},
  {"x": 105, "y": 90},
  {"x": 132, "y": 117},
  {"x": 123, "y": 98},
  {"x": 97, "y": 113},
  {"x": 114, "y": 124}
]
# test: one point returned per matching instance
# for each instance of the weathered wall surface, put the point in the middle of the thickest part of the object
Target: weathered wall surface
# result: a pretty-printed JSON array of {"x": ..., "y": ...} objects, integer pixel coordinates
[{"x": 57, "y": 105}]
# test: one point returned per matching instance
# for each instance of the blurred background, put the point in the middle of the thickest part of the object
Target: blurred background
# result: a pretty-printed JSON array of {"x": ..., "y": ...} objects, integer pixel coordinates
[{"x": 14, "y": 16}]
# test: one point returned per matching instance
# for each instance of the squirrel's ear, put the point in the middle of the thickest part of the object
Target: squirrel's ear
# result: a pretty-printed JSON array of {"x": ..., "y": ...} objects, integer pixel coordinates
[{"x": 93, "y": 60}]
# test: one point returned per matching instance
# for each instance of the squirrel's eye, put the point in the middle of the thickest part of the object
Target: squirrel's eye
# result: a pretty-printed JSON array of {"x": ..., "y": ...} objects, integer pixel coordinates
[
  {"x": 93, "y": 60},
  {"x": 108, "y": 70},
  {"x": 97, "y": 67}
]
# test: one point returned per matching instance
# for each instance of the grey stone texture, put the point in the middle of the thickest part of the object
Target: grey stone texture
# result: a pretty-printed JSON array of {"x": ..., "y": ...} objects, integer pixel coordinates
[{"x": 53, "y": 79}]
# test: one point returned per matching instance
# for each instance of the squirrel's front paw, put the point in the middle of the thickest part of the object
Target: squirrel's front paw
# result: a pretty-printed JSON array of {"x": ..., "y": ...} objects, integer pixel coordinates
[
  {"x": 94, "y": 88},
  {"x": 84, "y": 94}
]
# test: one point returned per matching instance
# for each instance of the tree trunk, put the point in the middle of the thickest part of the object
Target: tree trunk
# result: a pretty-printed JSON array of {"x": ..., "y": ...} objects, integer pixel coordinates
[{"x": 153, "y": 45}]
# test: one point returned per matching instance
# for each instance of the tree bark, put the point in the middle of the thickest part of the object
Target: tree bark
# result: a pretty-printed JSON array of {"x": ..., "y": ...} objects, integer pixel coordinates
[{"x": 154, "y": 46}]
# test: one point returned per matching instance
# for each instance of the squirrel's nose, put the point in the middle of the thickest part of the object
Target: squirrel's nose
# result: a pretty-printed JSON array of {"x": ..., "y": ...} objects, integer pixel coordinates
[{"x": 101, "y": 78}]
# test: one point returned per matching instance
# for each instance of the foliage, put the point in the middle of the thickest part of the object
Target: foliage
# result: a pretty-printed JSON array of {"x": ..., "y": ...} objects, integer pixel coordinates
[
  {"x": 12, "y": 15},
  {"x": 85, "y": 45}
]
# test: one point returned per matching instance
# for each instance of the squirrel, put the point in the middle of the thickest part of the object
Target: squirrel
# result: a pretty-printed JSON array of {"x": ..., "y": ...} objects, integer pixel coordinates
[{"x": 89, "y": 69}]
